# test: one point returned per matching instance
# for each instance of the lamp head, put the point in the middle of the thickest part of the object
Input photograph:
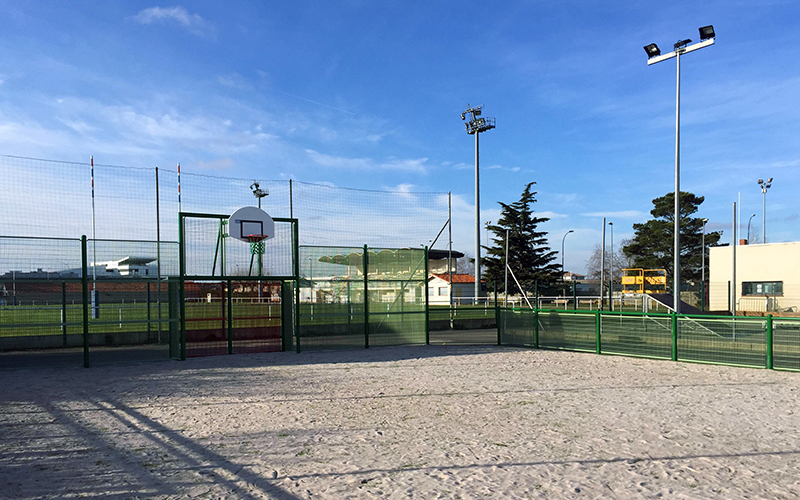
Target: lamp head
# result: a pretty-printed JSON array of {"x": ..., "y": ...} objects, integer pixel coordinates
[
  {"x": 652, "y": 50},
  {"x": 682, "y": 43},
  {"x": 707, "y": 32}
]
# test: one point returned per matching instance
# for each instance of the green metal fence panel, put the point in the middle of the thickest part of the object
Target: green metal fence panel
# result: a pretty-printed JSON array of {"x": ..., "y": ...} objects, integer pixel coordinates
[
  {"x": 333, "y": 314},
  {"x": 731, "y": 341},
  {"x": 463, "y": 316},
  {"x": 786, "y": 343},
  {"x": 516, "y": 326},
  {"x": 636, "y": 335},
  {"x": 570, "y": 330},
  {"x": 331, "y": 298},
  {"x": 398, "y": 287}
]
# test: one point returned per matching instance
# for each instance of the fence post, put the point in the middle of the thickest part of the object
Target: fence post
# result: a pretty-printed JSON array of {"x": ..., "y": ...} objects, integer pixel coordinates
[
  {"x": 182, "y": 287},
  {"x": 148, "y": 310},
  {"x": 535, "y": 327},
  {"x": 365, "y": 265},
  {"x": 296, "y": 270},
  {"x": 85, "y": 292},
  {"x": 598, "y": 345},
  {"x": 427, "y": 303},
  {"x": 228, "y": 297},
  {"x": 496, "y": 315},
  {"x": 769, "y": 342},
  {"x": 64, "y": 311},
  {"x": 674, "y": 321}
]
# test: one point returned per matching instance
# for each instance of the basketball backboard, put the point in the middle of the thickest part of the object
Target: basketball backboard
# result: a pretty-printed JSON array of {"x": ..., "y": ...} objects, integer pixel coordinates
[{"x": 249, "y": 222}]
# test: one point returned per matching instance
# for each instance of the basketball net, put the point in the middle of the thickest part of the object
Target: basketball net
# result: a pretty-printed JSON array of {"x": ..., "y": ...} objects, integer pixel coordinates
[{"x": 256, "y": 243}]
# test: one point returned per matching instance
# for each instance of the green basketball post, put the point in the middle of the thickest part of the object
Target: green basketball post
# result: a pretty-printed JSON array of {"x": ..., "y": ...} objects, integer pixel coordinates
[{"x": 228, "y": 297}]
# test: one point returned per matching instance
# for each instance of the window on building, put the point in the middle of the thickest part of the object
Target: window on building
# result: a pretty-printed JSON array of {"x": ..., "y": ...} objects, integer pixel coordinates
[
  {"x": 442, "y": 291},
  {"x": 430, "y": 291},
  {"x": 762, "y": 288}
]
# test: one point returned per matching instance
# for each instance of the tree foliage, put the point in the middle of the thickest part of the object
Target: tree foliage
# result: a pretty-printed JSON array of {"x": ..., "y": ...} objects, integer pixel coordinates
[
  {"x": 653, "y": 242},
  {"x": 529, "y": 256}
]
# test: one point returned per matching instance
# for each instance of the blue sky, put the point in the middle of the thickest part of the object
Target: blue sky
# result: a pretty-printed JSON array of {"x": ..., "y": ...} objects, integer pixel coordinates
[{"x": 369, "y": 94}]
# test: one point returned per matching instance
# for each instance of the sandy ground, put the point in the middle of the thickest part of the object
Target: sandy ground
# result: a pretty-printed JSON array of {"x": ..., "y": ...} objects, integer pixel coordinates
[{"x": 410, "y": 422}]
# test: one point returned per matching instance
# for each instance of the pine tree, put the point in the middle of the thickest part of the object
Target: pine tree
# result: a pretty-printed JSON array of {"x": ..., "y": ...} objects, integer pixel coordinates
[
  {"x": 652, "y": 246},
  {"x": 529, "y": 256}
]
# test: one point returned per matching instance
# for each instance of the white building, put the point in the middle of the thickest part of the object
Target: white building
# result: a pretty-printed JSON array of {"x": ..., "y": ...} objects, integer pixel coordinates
[
  {"x": 767, "y": 278},
  {"x": 439, "y": 285}
]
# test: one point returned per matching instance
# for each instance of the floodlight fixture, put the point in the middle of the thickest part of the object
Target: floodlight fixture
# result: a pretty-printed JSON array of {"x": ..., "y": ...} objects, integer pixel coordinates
[
  {"x": 764, "y": 186},
  {"x": 654, "y": 56},
  {"x": 475, "y": 126},
  {"x": 258, "y": 192},
  {"x": 707, "y": 32},
  {"x": 652, "y": 50}
]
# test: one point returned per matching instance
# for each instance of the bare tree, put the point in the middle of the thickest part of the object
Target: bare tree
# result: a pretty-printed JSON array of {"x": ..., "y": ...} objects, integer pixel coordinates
[
  {"x": 619, "y": 259},
  {"x": 465, "y": 265}
]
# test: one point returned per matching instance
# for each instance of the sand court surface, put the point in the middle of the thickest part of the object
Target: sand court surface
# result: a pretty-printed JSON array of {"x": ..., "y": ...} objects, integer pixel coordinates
[{"x": 401, "y": 422}]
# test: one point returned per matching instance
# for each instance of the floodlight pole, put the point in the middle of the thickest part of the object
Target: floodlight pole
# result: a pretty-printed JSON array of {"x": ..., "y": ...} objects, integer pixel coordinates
[
  {"x": 680, "y": 48},
  {"x": 477, "y": 223},
  {"x": 475, "y": 126}
]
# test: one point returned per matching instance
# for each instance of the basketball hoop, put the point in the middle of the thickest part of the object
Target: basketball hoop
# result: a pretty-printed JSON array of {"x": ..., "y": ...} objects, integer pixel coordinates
[{"x": 256, "y": 243}]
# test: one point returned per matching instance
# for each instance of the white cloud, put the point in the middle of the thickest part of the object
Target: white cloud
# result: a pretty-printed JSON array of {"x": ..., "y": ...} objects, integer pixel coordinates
[
  {"x": 218, "y": 164},
  {"x": 192, "y": 22},
  {"x": 234, "y": 81},
  {"x": 625, "y": 214},
  {"x": 551, "y": 215},
  {"x": 500, "y": 167},
  {"x": 406, "y": 165}
]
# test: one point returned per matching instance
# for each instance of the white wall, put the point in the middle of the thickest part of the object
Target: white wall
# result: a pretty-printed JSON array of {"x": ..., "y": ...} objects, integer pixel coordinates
[{"x": 768, "y": 262}]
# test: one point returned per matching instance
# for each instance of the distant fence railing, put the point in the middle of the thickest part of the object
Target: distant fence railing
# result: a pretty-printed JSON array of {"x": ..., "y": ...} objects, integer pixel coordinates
[{"x": 763, "y": 342}]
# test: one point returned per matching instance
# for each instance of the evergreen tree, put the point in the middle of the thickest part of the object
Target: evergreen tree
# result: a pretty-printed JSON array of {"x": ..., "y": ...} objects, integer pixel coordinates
[
  {"x": 653, "y": 243},
  {"x": 528, "y": 254}
]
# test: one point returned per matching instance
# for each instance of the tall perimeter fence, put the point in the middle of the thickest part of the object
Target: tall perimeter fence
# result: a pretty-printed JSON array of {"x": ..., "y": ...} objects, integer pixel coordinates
[
  {"x": 759, "y": 342},
  {"x": 131, "y": 261}
]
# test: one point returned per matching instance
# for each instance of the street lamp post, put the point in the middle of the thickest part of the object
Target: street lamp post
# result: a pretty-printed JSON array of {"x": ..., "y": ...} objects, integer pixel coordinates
[
  {"x": 475, "y": 125},
  {"x": 764, "y": 187},
  {"x": 562, "y": 252},
  {"x": 707, "y": 37},
  {"x": 703, "y": 270},
  {"x": 748, "y": 227},
  {"x": 611, "y": 272}
]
